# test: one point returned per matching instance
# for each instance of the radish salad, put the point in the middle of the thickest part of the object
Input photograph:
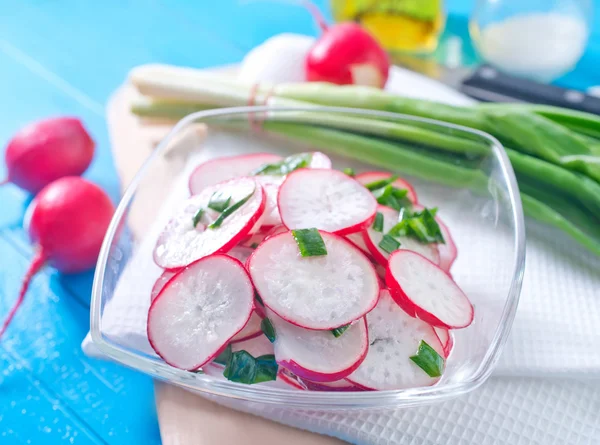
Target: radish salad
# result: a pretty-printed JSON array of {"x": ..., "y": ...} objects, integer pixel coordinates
[{"x": 286, "y": 270}]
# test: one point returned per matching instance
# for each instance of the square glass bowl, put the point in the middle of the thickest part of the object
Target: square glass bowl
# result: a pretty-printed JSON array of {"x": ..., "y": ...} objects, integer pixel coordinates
[{"x": 465, "y": 173}]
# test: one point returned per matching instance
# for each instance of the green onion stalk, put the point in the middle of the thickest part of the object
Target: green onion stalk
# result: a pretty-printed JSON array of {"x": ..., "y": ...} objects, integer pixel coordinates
[{"x": 553, "y": 151}]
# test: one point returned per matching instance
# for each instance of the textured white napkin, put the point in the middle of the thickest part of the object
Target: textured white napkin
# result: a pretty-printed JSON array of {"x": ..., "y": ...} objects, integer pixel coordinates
[{"x": 555, "y": 334}]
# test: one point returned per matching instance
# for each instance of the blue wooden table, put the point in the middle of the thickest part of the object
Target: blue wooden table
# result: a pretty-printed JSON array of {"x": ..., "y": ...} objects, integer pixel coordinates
[{"x": 66, "y": 57}]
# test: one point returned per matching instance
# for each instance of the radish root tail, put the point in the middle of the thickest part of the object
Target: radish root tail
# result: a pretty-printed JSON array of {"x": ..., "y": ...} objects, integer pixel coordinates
[
  {"x": 316, "y": 14},
  {"x": 36, "y": 264}
]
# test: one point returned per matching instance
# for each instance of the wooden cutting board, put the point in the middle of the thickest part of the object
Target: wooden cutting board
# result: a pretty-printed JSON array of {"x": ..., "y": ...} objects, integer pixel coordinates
[{"x": 185, "y": 418}]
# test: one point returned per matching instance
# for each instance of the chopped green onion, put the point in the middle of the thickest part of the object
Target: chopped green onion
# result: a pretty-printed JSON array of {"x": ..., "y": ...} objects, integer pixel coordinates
[
  {"x": 197, "y": 217},
  {"x": 224, "y": 357},
  {"x": 244, "y": 368},
  {"x": 229, "y": 210},
  {"x": 254, "y": 245},
  {"x": 285, "y": 166},
  {"x": 376, "y": 185},
  {"x": 349, "y": 171},
  {"x": 392, "y": 197},
  {"x": 267, "y": 327},
  {"x": 378, "y": 223},
  {"x": 337, "y": 332},
  {"x": 419, "y": 225},
  {"x": 389, "y": 243},
  {"x": 309, "y": 242},
  {"x": 428, "y": 360},
  {"x": 218, "y": 202}
]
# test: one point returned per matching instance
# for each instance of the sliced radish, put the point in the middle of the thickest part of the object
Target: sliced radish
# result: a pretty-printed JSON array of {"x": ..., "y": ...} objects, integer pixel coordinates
[
  {"x": 276, "y": 231},
  {"x": 418, "y": 284},
  {"x": 241, "y": 253},
  {"x": 318, "y": 355},
  {"x": 338, "y": 385},
  {"x": 366, "y": 178},
  {"x": 372, "y": 239},
  {"x": 251, "y": 330},
  {"x": 448, "y": 251},
  {"x": 320, "y": 160},
  {"x": 327, "y": 200},
  {"x": 181, "y": 243},
  {"x": 270, "y": 216},
  {"x": 394, "y": 337},
  {"x": 283, "y": 381},
  {"x": 199, "y": 310},
  {"x": 289, "y": 379},
  {"x": 255, "y": 346},
  {"x": 160, "y": 282},
  {"x": 358, "y": 240},
  {"x": 446, "y": 338},
  {"x": 222, "y": 169},
  {"x": 320, "y": 292},
  {"x": 254, "y": 239}
]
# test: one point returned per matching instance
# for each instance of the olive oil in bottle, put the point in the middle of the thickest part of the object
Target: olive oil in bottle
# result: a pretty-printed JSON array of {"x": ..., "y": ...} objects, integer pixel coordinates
[{"x": 412, "y": 26}]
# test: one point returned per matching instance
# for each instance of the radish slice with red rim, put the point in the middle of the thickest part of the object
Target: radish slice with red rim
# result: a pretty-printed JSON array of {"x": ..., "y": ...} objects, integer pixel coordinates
[
  {"x": 446, "y": 338},
  {"x": 256, "y": 346},
  {"x": 373, "y": 238},
  {"x": 251, "y": 330},
  {"x": 370, "y": 177},
  {"x": 448, "y": 250},
  {"x": 320, "y": 160},
  {"x": 358, "y": 240},
  {"x": 241, "y": 253},
  {"x": 394, "y": 337},
  {"x": 418, "y": 284},
  {"x": 276, "y": 231},
  {"x": 289, "y": 379},
  {"x": 338, "y": 385},
  {"x": 343, "y": 282},
  {"x": 161, "y": 281},
  {"x": 325, "y": 199},
  {"x": 222, "y": 169},
  {"x": 199, "y": 310},
  {"x": 181, "y": 243},
  {"x": 270, "y": 216},
  {"x": 319, "y": 355}
]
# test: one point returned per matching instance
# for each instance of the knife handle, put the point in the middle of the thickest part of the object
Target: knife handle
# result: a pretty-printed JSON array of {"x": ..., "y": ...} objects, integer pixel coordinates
[{"x": 490, "y": 85}]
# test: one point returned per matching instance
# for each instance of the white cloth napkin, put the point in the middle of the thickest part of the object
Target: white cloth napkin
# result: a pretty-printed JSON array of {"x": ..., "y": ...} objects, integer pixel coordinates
[{"x": 555, "y": 335}]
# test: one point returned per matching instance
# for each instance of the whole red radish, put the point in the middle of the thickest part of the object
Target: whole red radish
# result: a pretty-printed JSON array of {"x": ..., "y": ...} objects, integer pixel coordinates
[
  {"x": 346, "y": 54},
  {"x": 47, "y": 150},
  {"x": 68, "y": 220}
]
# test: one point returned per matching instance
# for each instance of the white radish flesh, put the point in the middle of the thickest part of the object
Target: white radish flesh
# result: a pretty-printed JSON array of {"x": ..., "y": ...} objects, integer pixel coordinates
[
  {"x": 358, "y": 240},
  {"x": 201, "y": 308},
  {"x": 319, "y": 292},
  {"x": 270, "y": 185},
  {"x": 256, "y": 346},
  {"x": 161, "y": 281},
  {"x": 418, "y": 284},
  {"x": 320, "y": 160},
  {"x": 241, "y": 253},
  {"x": 394, "y": 337},
  {"x": 327, "y": 200},
  {"x": 372, "y": 239},
  {"x": 222, "y": 169},
  {"x": 251, "y": 330},
  {"x": 318, "y": 355},
  {"x": 367, "y": 178},
  {"x": 181, "y": 243},
  {"x": 448, "y": 250}
]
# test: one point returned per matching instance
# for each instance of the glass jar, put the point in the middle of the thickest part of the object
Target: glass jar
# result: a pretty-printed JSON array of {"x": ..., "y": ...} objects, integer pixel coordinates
[{"x": 538, "y": 39}]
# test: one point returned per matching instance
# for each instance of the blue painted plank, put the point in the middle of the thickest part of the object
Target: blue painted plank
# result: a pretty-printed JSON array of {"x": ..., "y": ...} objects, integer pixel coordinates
[{"x": 44, "y": 340}]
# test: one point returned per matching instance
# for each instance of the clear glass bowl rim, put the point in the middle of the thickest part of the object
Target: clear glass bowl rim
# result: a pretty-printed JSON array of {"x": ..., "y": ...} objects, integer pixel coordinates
[{"x": 314, "y": 399}]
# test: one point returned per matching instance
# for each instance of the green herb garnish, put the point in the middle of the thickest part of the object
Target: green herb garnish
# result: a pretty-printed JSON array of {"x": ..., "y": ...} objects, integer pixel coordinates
[
  {"x": 244, "y": 368},
  {"x": 267, "y": 327},
  {"x": 337, "y": 332},
  {"x": 218, "y": 202},
  {"x": 254, "y": 245},
  {"x": 309, "y": 242},
  {"x": 349, "y": 171},
  {"x": 285, "y": 166},
  {"x": 224, "y": 357},
  {"x": 389, "y": 243},
  {"x": 378, "y": 223},
  {"x": 376, "y": 185},
  {"x": 229, "y": 210},
  {"x": 197, "y": 217},
  {"x": 428, "y": 360},
  {"x": 392, "y": 197},
  {"x": 419, "y": 225}
]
